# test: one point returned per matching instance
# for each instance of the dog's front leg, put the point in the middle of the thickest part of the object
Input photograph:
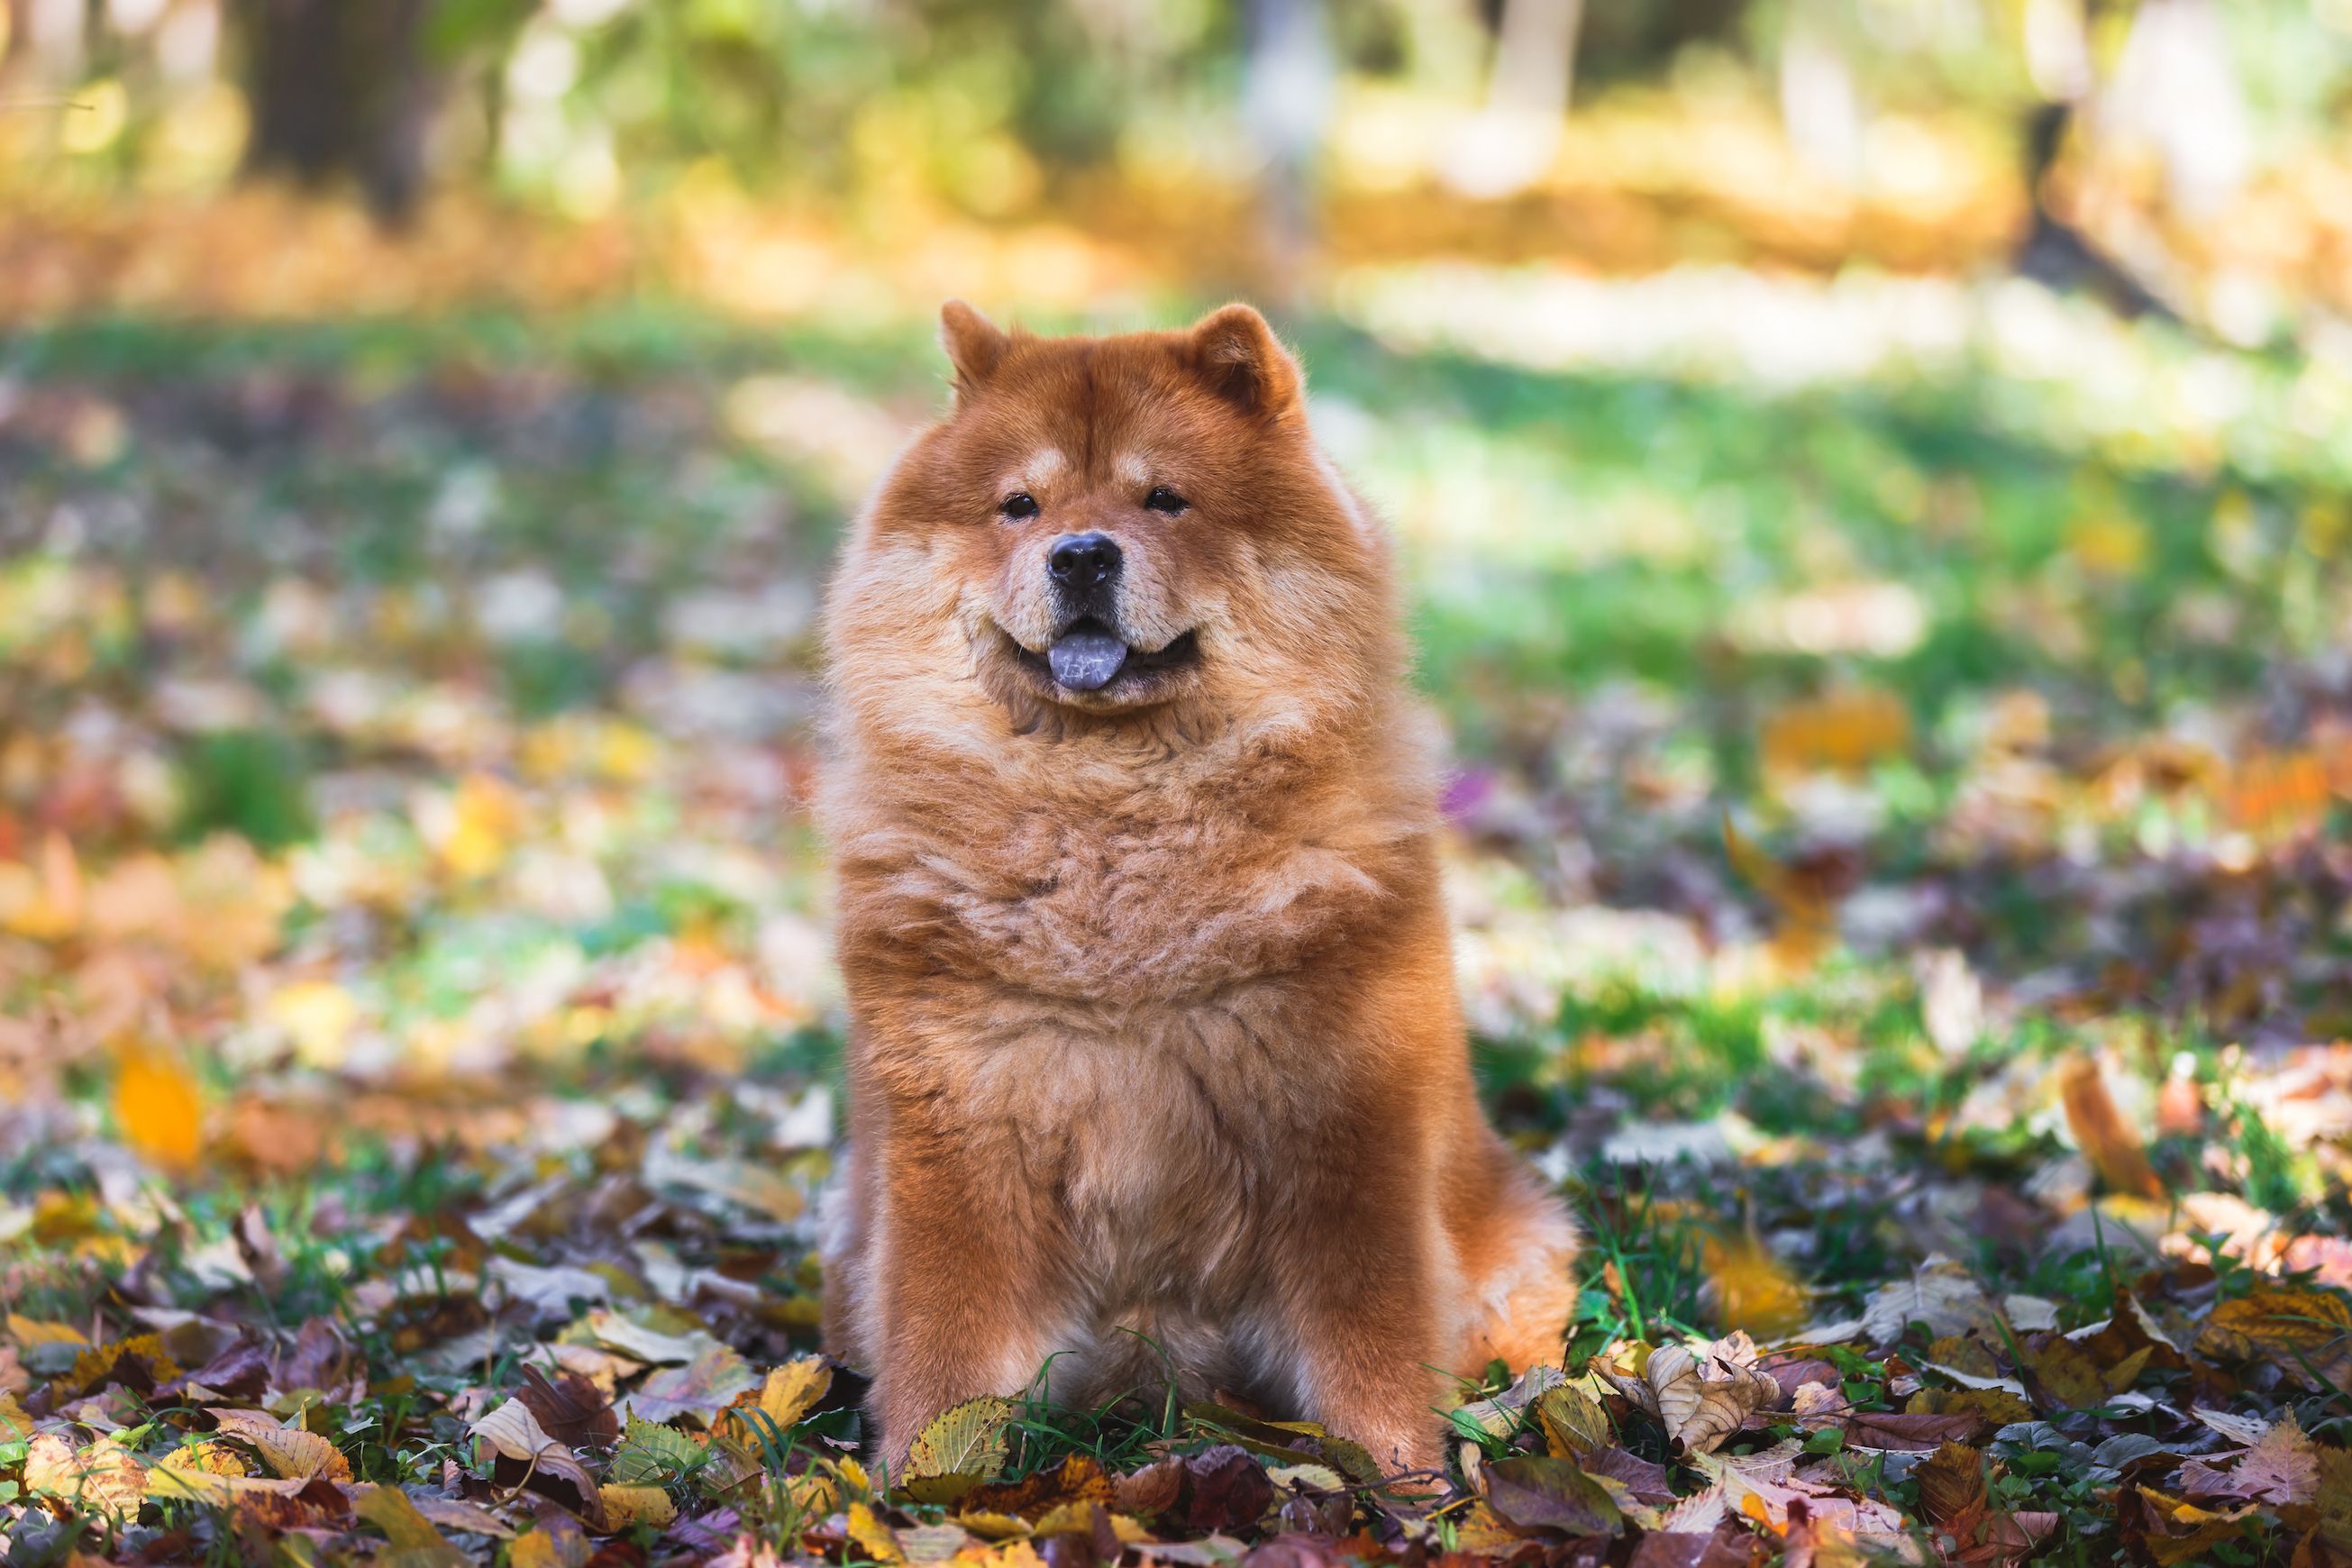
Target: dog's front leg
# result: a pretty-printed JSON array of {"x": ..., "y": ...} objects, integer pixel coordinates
[
  {"x": 961, "y": 1282},
  {"x": 1358, "y": 1301}
]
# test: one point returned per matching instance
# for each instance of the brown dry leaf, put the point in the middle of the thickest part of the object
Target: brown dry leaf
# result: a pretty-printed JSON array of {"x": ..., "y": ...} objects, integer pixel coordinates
[
  {"x": 523, "y": 1451},
  {"x": 1550, "y": 1497},
  {"x": 1701, "y": 1395},
  {"x": 2281, "y": 1468},
  {"x": 1080, "y": 1478},
  {"x": 1951, "y": 1483},
  {"x": 157, "y": 1105},
  {"x": 2106, "y": 1140},
  {"x": 1997, "y": 1405},
  {"x": 568, "y": 1408}
]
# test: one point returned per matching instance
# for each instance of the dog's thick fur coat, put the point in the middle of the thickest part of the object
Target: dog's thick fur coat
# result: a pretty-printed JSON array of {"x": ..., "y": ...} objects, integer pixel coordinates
[{"x": 1156, "y": 1058}]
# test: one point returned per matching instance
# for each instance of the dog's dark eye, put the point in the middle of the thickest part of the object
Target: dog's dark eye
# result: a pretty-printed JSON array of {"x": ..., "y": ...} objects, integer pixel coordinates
[
  {"x": 1018, "y": 505},
  {"x": 1162, "y": 499}
]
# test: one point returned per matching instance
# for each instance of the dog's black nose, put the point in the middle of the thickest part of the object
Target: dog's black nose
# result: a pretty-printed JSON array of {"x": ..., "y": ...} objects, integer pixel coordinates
[{"x": 1083, "y": 560}]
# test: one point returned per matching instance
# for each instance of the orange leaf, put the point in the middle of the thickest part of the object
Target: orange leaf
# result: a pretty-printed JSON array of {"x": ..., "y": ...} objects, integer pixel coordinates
[
  {"x": 157, "y": 1105},
  {"x": 2107, "y": 1141}
]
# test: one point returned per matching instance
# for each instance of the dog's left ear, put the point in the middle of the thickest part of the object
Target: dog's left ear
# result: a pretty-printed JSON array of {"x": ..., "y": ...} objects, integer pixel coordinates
[
  {"x": 974, "y": 344},
  {"x": 1239, "y": 356}
]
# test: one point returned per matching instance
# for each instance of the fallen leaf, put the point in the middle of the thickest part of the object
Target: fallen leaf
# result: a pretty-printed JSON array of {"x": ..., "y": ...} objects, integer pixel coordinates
[
  {"x": 2284, "y": 1324},
  {"x": 654, "y": 1455},
  {"x": 525, "y": 1455},
  {"x": 874, "y": 1537},
  {"x": 702, "y": 1388},
  {"x": 103, "y": 1478},
  {"x": 1549, "y": 1497},
  {"x": 412, "y": 1536},
  {"x": 785, "y": 1396},
  {"x": 291, "y": 1452},
  {"x": 569, "y": 1408},
  {"x": 1940, "y": 1293},
  {"x": 628, "y": 1505},
  {"x": 966, "y": 1439},
  {"x": 2106, "y": 1140},
  {"x": 157, "y": 1105},
  {"x": 2281, "y": 1468},
  {"x": 1951, "y": 1483},
  {"x": 1701, "y": 1394},
  {"x": 1572, "y": 1422}
]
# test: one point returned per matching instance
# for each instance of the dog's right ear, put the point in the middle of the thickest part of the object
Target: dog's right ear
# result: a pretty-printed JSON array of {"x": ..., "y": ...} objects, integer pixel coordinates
[{"x": 974, "y": 344}]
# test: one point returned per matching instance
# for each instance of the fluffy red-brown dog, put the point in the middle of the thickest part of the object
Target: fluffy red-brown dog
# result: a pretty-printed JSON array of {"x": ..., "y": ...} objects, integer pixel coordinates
[{"x": 1156, "y": 1059}]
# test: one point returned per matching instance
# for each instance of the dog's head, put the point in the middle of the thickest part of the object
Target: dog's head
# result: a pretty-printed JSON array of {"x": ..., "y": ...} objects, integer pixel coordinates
[{"x": 1109, "y": 529}]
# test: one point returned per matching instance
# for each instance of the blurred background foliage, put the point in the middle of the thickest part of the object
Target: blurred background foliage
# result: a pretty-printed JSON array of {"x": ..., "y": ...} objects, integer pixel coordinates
[{"x": 2183, "y": 156}]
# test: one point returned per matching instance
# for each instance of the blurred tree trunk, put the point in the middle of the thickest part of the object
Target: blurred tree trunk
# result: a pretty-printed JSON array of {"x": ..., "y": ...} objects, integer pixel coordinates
[
  {"x": 1511, "y": 143},
  {"x": 1287, "y": 106},
  {"x": 338, "y": 90}
]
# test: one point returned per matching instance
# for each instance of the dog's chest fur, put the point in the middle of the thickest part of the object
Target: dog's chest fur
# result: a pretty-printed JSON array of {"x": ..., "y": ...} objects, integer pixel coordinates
[{"x": 1133, "y": 1035}]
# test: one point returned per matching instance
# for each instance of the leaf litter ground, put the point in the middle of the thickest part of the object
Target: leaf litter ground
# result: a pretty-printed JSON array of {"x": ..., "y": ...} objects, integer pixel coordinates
[{"x": 1904, "y": 910}]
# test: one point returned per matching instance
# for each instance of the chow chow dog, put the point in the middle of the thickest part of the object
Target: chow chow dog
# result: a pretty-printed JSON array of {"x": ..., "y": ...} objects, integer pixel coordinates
[{"x": 1155, "y": 1065}]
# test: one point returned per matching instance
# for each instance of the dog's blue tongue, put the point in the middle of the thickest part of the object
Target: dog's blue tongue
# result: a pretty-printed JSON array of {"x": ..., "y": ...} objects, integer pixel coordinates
[{"x": 1085, "y": 658}]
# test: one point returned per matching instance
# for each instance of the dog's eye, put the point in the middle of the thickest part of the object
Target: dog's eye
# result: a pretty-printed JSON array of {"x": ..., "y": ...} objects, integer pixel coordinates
[
  {"x": 1162, "y": 499},
  {"x": 1018, "y": 505}
]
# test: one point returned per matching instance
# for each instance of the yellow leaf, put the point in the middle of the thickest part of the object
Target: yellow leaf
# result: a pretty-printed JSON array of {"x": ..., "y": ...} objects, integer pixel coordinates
[
  {"x": 473, "y": 832},
  {"x": 1804, "y": 902},
  {"x": 625, "y": 1506},
  {"x": 871, "y": 1534},
  {"x": 156, "y": 1106},
  {"x": 414, "y": 1538},
  {"x": 205, "y": 1457},
  {"x": 30, "y": 1332},
  {"x": 289, "y": 1451},
  {"x": 44, "y": 902},
  {"x": 101, "y": 1479},
  {"x": 792, "y": 1390},
  {"x": 1753, "y": 1291},
  {"x": 544, "y": 1548},
  {"x": 318, "y": 1016},
  {"x": 966, "y": 1439},
  {"x": 2110, "y": 543},
  {"x": 2286, "y": 1324},
  {"x": 1846, "y": 731},
  {"x": 814, "y": 1492},
  {"x": 1573, "y": 1421}
]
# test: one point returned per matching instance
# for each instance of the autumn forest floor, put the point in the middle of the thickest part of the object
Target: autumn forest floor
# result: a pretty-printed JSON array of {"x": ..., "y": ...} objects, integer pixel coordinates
[{"x": 1905, "y": 744}]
